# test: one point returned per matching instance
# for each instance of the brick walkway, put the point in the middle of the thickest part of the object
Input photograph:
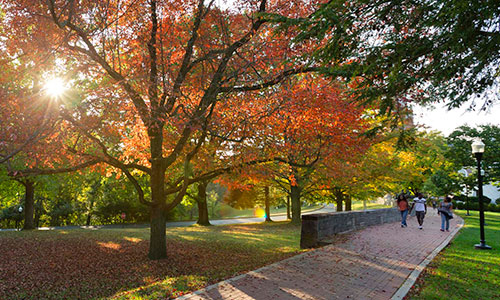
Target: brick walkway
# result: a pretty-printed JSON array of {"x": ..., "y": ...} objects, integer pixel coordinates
[{"x": 370, "y": 264}]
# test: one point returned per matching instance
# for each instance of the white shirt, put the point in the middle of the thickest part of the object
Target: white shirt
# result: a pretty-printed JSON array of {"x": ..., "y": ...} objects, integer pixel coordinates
[{"x": 419, "y": 204}]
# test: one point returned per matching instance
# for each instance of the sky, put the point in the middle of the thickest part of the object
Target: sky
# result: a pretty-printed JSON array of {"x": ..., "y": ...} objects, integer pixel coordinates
[{"x": 446, "y": 121}]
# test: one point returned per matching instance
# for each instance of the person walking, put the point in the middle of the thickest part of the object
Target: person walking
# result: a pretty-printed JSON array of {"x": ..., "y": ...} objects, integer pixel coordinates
[
  {"x": 419, "y": 203},
  {"x": 403, "y": 209},
  {"x": 446, "y": 212}
]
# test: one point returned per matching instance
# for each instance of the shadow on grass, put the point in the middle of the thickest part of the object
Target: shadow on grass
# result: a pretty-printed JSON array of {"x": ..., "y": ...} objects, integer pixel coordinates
[
  {"x": 81, "y": 264},
  {"x": 461, "y": 271}
]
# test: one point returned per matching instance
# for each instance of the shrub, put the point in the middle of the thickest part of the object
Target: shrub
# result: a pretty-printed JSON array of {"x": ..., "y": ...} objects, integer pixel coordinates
[
  {"x": 475, "y": 206},
  {"x": 471, "y": 199}
]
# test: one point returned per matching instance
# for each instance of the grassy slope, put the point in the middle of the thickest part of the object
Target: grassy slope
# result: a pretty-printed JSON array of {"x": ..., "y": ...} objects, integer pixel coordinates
[
  {"x": 112, "y": 263},
  {"x": 461, "y": 271},
  {"x": 358, "y": 205},
  {"x": 229, "y": 212}
]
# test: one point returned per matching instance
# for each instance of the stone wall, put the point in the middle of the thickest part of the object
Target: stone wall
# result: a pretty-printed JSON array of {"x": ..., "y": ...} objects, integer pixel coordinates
[{"x": 318, "y": 229}]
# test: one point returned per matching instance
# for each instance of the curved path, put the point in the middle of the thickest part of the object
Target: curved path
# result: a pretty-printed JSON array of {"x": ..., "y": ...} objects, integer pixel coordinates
[
  {"x": 378, "y": 262},
  {"x": 280, "y": 217}
]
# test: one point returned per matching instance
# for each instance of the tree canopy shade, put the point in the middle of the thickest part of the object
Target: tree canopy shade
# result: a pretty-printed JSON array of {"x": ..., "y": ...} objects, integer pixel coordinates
[{"x": 395, "y": 51}]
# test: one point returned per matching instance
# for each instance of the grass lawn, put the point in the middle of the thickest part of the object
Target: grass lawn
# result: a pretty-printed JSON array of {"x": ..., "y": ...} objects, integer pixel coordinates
[
  {"x": 112, "y": 263},
  {"x": 358, "y": 205},
  {"x": 229, "y": 212},
  {"x": 461, "y": 271}
]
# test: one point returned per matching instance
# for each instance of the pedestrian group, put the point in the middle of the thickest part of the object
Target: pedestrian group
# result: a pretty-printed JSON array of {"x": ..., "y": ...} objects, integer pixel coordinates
[{"x": 419, "y": 206}]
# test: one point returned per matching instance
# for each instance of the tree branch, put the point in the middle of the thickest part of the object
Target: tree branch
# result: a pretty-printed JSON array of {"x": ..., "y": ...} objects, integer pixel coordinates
[
  {"x": 279, "y": 78},
  {"x": 153, "y": 72},
  {"x": 137, "y": 186},
  {"x": 110, "y": 159},
  {"x": 36, "y": 171},
  {"x": 185, "y": 66},
  {"x": 92, "y": 53}
]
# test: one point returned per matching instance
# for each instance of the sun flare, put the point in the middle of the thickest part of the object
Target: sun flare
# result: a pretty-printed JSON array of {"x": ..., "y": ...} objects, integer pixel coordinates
[{"x": 55, "y": 87}]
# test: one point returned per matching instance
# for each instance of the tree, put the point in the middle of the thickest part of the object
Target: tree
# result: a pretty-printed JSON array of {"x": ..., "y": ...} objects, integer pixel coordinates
[
  {"x": 459, "y": 149},
  {"x": 29, "y": 122},
  {"x": 421, "y": 161},
  {"x": 161, "y": 77},
  {"x": 400, "y": 51},
  {"x": 320, "y": 124},
  {"x": 442, "y": 183},
  {"x": 199, "y": 195}
]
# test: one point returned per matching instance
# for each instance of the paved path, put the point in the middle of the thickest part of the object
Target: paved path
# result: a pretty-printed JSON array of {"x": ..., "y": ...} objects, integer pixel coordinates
[
  {"x": 372, "y": 263},
  {"x": 281, "y": 217}
]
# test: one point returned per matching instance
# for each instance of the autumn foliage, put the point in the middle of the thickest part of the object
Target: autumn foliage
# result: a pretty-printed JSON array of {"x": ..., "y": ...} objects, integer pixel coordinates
[{"x": 180, "y": 92}]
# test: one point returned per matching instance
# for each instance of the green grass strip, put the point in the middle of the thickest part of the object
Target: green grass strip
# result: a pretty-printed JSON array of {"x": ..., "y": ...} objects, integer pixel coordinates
[{"x": 461, "y": 271}]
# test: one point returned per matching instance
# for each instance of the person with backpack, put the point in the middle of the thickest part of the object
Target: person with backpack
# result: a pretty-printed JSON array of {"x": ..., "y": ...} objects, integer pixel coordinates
[{"x": 445, "y": 210}]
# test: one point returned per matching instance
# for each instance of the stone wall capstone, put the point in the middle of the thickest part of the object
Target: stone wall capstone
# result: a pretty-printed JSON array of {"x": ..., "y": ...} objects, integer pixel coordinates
[{"x": 317, "y": 229}]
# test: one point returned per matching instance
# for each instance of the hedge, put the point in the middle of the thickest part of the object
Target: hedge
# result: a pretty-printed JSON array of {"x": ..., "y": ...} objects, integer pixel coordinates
[{"x": 475, "y": 206}]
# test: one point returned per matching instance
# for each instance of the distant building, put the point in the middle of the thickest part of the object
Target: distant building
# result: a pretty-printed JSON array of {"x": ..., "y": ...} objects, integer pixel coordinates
[{"x": 489, "y": 190}]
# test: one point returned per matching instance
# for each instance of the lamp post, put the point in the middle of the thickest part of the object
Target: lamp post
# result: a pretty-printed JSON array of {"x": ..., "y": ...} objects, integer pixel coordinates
[
  {"x": 478, "y": 149},
  {"x": 467, "y": 203},
  {"x": 20, "y": 210},
  {"x": 466, "y": 193}
]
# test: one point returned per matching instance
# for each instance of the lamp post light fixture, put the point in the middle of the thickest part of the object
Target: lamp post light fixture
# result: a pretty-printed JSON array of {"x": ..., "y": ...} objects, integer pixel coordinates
[
  {"x": 20, "y": 210},
  {"x": 477, "y": 150}
]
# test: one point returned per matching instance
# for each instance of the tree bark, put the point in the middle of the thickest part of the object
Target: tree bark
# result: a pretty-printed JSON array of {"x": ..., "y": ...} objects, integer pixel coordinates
[
  {"x": 89, "y": 214},
  {"x": 29, "y": 205},
  {"x": 295, "y": 194},
  {"x": 201, "y": 199},
  {"x": 87, "y": 223},
  {"x": 158, "y": 236},
  {"x": 267, "y": 204},
  {"x": 38, "y": 212},
  {"x": 348, "y": 202},
  {"x": 338, "y": 201},
  {"x": 295, "y": 199},
  {"x": 288, "y": 216},
  {"x": 339, "y": 196}
]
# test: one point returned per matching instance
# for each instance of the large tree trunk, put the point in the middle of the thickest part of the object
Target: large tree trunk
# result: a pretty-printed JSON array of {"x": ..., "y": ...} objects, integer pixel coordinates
[
  {"x": 295, "y": 193},
  {"x": 295, "y": 197},
  {"x": 267, "y": 204},
  {"x": 158, "y": 236},
  {"x": 89, "y": 214},
  {"x": 29, "y": 205},
  {"x": 339, "y": 196},
  {"x": 201, "y": 199},
  {"x": 288, "y": 216},
  {"x": 348, "y": 202},
  {"x": 38, "y": 213},
  {"x": 87, "y": 223}
]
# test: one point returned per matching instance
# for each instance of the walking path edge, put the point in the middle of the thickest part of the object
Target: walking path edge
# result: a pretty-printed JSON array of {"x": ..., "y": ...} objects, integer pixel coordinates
[
  {"x": 201, "y": 291},
  {"x": 410, "y": 281}
]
